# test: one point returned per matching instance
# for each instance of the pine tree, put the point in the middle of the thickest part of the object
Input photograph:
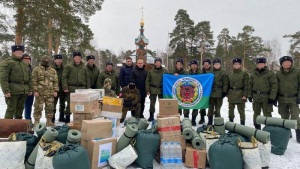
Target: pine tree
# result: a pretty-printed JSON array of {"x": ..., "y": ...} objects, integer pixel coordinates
[{"x": 295, "y": 47}]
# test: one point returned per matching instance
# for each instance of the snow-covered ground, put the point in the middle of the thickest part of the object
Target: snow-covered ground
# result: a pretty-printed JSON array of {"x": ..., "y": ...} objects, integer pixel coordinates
[{"x": 290, "y": 160}]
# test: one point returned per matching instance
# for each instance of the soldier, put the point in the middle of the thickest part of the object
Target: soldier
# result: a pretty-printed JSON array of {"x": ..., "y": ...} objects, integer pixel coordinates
[
  {"x": 125, "y": 72},
  {"x": 139, "y": 76},
  {"x": 107, "y": 88},
  {"x": 238, "y": 90},
  {"x": 289, "y": 91},
  {"x": 59, "y": 67},
  {"x": 112, "y": 75},
  {"x": 154, "y": 85},
  {"x": 45, "y": 87},
  {"x": 194, "y": 70},
  {"x": 219, "y": 91},
  {"x": 131, "y": 96},
  {"x": 263, "y": 88},
  {"x": 206, "y": 69},
  {"x": 29, "y": 98},
  {"x": 15, "y": 82},
  {"x": 93, "y": 71},
  {"x": 75, "y": 76}
]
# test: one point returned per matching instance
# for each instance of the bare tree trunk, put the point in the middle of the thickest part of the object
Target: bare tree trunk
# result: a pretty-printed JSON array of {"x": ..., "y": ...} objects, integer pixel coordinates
[
  {"x": 57, "y": 44},
  {"x": 20, "y": 17},
  {"x": 50, "y": 37}
]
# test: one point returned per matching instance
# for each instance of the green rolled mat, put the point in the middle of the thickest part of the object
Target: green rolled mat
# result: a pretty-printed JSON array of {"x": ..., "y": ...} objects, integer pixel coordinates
[
  {"x": 274, "y": 121},
  {"x": 143, "y": 124},
  {"x": 154, "y": 128},
  {"x": 71, "y": 156},
  {"x": 40, "y": 129},
  {"x": 260, "y": 135},
  {"x": 197, "y": 143},
  {"x": 280, "y": 137},
  {"x": 62, "y": 133},
  {"x": 74, "y": 137},
  {"x": 49, "y": 136},
  {"x": 131, "y": 120},
  {"x": 31, "y": 142},
  {"x": 187, "y": 130},
  {"x": 127, "y": 137},
  {"x": 219, "y": 125}
]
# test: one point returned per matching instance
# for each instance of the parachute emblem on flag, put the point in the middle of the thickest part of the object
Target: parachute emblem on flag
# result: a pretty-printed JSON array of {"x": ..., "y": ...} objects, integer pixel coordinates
[{"x": 188, "y": 91}]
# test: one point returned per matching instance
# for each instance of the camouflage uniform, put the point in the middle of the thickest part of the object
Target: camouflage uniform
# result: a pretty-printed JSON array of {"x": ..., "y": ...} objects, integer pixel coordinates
[
  {"x": 45, "y": 82},
  {"x": 16, "y": 80},
  {"x": 113, "y": 76},
  {"x": 132, "y": 101},
  {"x": 107, "y": 88},
  {"x": 60, "y": 94},
  {"x": 93, "y": 73}
]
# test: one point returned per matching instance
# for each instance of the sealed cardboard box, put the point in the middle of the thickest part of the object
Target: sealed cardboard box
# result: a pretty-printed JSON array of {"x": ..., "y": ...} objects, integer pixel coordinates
[
  {"x": 100, "y": 151},
  {"x": 168, "y": 106},
  {"x": 96, "y": 129},
  {"x": 100, "y": 91},
  {"x": 74, "y": 127},
  {"x": 169, "y": 127},
  {"x": 84, "y": 107},
  {"x": 195, "y": 158},
  {"x": 168, "y": 115},
  {"x": 112, "y": 107},
  {"x": 79, "y": 117},
  {"x": 116, "y": 127}
]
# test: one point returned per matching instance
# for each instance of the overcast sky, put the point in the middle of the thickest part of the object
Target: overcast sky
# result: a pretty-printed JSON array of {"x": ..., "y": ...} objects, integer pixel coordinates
[{"x": 117, "y": 25}]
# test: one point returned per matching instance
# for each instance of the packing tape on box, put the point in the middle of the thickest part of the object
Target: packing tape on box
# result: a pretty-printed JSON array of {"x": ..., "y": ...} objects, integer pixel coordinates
[{"x": 171, "y": 128}]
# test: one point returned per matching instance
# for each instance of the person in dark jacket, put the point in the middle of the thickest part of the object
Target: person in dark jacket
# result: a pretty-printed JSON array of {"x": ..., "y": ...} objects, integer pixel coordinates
[
  {"x": 125, "y": 72},
  {"x": 29, "y": 98},
  {"x": 93, "y": 71},
  {"x": 138, "y": 76}
]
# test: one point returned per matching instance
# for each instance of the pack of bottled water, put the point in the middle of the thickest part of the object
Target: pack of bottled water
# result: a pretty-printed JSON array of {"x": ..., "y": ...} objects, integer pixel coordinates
[{"x": 171, "y": 155}]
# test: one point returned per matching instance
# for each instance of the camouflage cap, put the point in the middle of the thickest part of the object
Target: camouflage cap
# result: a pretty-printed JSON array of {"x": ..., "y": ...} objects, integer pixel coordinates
[{"x": 107, "y": 80}]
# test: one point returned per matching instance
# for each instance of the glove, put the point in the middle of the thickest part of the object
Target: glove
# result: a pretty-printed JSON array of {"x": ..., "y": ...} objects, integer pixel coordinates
[
  {"x": 271, "y": 101},
  {"x": 298, "y": 100},
  {"x": 250, "y": 99},
  {"x": 224, "y": 94}
]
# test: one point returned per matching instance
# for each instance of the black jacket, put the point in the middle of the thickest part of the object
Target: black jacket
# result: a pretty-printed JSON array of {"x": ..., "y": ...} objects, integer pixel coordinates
[
  {"x": 139, "y": 77},
  {"x": 125, "y": 73}
]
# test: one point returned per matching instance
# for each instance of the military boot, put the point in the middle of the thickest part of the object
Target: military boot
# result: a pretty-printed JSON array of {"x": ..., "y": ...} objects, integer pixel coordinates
[
  {"x": 122, "y": 120},
  {"x": 210, "y": 120},
  {"x": 67, "y": 119},
  {"x": 298, "y": 135},
  {"x": 53, "y": 119},
  {"x": 61, "y": 117},
  {"x": 186, "y": 115},
  {"x": 151, "y": 118},
  {"x": 49, "y": 122},
  {"x": 194, "y": 120},
  {"x": 202, "y": 120},
  {"x": 257, "y": 126},
  {"x": 291, "y": 135},
  {"x": 231, "y": 120},
  {"x": 243, "y": 122}
]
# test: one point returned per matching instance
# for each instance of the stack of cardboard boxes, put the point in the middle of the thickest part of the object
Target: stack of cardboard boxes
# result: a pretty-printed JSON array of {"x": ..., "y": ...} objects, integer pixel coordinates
[{"x": 96, "y": 139}]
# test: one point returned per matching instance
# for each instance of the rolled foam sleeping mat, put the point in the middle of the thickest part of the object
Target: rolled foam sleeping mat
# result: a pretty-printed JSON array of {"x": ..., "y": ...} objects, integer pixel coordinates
[
  {"x": 74, "y": 137},
  {"x": 127, "y": 137},
  {"x": 71, "y": 156},
  {"x": 62, "y": 133},
  {"x": 260, "y": 135},
  {"x": 197, "y": 143},
  {"x": 219, "y": 125},
  {"x": 274, "y": 121},
  {"x": 143, "y": 124},
  {"x": 40, "y": 129},
  {"x": 187, "y": 130},
  {"x": 131, "y": 120},
  {"x": 31, "y": 142},
  {"x": 280, "y": 137},
  {"x": 49, "y": 136}
]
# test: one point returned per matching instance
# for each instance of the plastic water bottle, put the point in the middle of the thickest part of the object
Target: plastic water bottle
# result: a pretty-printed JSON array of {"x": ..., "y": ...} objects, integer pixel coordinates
[
  {"x": 162, "y": 154},
  {"x": 179, "y": 164},
  {"x": 173, "y": 154},
  {"x": 165, "y": 155}
]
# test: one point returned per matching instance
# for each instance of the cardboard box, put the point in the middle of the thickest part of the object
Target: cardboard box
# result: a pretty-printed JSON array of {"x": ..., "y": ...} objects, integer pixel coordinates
[
  {"x": 115, "y": 128},
  {"x": 79, "y": 117},
  {"x": 100, "y": 150},
  {"x": 100, "y": 91},
  {"x": 165, "y": 116},
  {"x": 169, "y": 128},
  {"x": 195, "y": 158},
  {"x": 74, "y": 127},
  {"x": 84, "y": 107},
  {"x": 168, "y": 106},
  {"x": 112, "y": 107},
  {"x": 96, "y": 129}
]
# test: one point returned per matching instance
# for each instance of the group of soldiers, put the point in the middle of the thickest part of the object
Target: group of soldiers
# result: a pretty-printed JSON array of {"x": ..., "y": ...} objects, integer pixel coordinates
[{"x": 49, "y": 83}]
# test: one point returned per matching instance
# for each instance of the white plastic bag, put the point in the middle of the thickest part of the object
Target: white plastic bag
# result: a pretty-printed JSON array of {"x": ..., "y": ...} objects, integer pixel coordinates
[
  {"x": 123, "y": 158},
  {"x": 12, "y": 154},
  {"x": 209, "y": 137},
  {"x": 43, "y": 159},
  {"x": 251, "y": 155},
  {"x": 265, "y": 153}
]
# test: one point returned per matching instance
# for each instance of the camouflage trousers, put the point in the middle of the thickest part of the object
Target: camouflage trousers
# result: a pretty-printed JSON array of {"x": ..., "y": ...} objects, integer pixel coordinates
[
  {"x": 289, "y": 111},
  {"x": 266, "y": 108},
  {"x": 215, "y": 104},
  {"x": 241, "y": 110},
  {"x": 136, "y": 111},
  {"x": 39, "y": 106},
  {"x": 15, "y": 106}
]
